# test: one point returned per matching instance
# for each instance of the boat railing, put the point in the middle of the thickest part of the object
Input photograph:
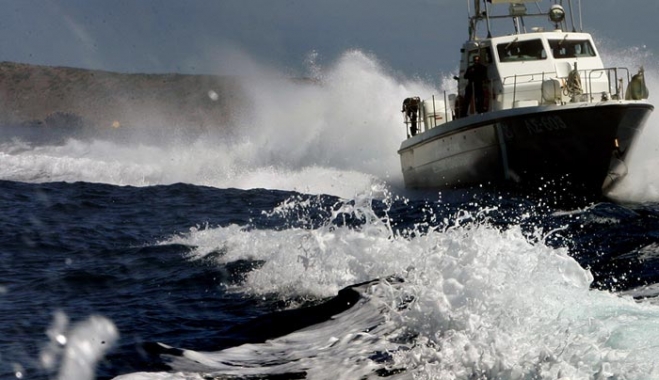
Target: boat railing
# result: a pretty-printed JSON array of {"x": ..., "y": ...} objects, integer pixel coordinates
[
  {"x": 591, "y": 85},
  {"x": 420, "y": 116},
  {"x": 617, "y": 82},
  {"x": 516, "y": 91}
]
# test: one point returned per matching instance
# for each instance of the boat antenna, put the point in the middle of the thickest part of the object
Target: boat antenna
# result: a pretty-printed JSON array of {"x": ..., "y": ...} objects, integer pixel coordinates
[
  {"x": 472, "y": 23},
  {"x": 487, "y": 19},
  {"x": 572, "y": 16},
  {"x": 580, "y": 20},
  {"x": 564, "y": 22}
]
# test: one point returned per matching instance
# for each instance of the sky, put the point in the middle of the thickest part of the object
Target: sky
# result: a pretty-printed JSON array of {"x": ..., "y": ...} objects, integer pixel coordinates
[{"x": 413, "y": 38}]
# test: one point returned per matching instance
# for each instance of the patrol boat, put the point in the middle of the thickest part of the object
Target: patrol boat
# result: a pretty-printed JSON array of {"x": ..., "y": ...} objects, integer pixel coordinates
[{"x": 539, "y": 108}]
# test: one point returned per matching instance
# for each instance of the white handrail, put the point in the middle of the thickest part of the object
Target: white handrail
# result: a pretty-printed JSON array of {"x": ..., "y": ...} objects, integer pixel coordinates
[{"x": 587, "y": 75}]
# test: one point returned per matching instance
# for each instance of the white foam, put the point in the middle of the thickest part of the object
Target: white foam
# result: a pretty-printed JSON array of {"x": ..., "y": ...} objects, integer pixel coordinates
[
  {"x": 487, "y": 303},
  {"x": 642, "y": 181},
  {"x": 337, "y": 134}
]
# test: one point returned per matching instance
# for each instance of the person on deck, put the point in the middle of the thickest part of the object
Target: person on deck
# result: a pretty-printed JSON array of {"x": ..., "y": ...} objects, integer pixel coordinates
[
  {"x": 476, "y": 75},
  {"x": 411, "y": 109}
]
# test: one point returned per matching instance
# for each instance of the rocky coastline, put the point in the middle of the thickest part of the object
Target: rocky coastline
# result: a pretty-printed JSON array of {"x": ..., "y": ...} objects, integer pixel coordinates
[{"x": 64, "y": 97}]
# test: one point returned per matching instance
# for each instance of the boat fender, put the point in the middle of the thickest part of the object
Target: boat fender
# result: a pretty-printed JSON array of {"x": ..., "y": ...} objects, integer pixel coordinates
[{"x": 637, "y": 90}]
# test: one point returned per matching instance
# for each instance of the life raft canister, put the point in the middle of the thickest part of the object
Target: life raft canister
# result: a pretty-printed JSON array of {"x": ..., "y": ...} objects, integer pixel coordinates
[{"x": 637, "y": 90}]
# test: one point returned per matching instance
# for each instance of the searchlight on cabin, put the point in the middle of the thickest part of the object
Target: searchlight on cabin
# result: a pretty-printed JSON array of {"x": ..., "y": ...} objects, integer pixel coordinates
[{"x": 556, "y": 14}]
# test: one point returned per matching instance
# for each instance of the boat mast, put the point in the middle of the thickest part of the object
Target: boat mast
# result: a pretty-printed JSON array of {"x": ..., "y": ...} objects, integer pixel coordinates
[
  {"x": 580, "y": 20},
  {"x": 518, "y": 12},
  {"x": 473, "y": 18},
  {"x": 574, "y": 29},
  {"x": 487, "y": 20},
  {"x": 478, "y": 16}
]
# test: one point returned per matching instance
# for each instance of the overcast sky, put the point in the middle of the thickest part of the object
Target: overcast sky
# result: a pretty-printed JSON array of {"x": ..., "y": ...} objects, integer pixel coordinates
[{"x": 411, "y": 37}]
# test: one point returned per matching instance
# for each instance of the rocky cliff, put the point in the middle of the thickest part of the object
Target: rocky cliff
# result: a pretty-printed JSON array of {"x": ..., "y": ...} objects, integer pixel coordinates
[{"x": 62, "y": 96}]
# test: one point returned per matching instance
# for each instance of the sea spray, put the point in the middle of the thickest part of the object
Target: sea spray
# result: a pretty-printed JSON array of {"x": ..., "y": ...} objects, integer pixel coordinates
[
  {"x": 473, "y": 300},
  {"x": 75, "y": 351},
  {"x": 642, "y": 182},
  {"x": 336, "y": 133}
]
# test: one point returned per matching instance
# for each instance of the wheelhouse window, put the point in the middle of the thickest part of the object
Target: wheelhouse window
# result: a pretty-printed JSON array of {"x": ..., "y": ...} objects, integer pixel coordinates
[
  {"x": 485, "y": 54},
  {"x": 571, "y": 48},
  {"x": 514, "y": 51}
]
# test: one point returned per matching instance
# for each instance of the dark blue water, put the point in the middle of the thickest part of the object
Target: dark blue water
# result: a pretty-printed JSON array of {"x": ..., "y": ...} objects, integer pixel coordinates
[{"x": 126, "y": 254}]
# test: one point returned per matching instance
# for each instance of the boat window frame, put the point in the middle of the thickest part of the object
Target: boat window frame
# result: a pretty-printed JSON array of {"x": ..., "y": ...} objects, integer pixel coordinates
[
  {"x": 570, "y": 48},
  {"x": 485, "y": 52},
  {"x": 534, "y": 46}
]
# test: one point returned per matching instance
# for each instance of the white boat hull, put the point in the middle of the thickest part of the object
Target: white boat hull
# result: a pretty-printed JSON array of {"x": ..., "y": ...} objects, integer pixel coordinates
[{"x": 572, "y": 143}]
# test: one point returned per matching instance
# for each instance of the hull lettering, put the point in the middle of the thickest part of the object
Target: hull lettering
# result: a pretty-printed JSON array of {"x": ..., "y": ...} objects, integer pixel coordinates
[{"x": 538, "y": 125}]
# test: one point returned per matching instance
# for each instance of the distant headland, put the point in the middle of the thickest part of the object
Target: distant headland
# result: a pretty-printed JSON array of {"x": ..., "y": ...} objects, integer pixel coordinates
[{"x": 70, "y": 97}]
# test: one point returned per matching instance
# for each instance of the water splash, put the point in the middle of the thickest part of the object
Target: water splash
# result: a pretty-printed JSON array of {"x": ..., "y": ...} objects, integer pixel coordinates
[
  {"x": 335, "y": 133},
  {"x": 473, "y": 301},
  {"x": 642, "y": 181},
  {"x": 75, "y": 352}
]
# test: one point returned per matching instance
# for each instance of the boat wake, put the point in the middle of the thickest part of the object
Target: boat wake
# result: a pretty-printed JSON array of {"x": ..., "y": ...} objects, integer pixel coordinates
[
  {"x": 461, "y": 301},
  {"x": 360, "y": 339},
  {"x": 441, "y": 299}
]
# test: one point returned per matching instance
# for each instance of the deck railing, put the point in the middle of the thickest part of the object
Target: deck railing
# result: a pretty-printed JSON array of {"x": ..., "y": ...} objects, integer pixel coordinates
[{"x": 595, "y": 84}]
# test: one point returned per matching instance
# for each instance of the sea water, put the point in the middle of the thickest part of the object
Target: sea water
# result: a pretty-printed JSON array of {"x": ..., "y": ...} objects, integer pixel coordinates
[{"x": 288, "y": 249}]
